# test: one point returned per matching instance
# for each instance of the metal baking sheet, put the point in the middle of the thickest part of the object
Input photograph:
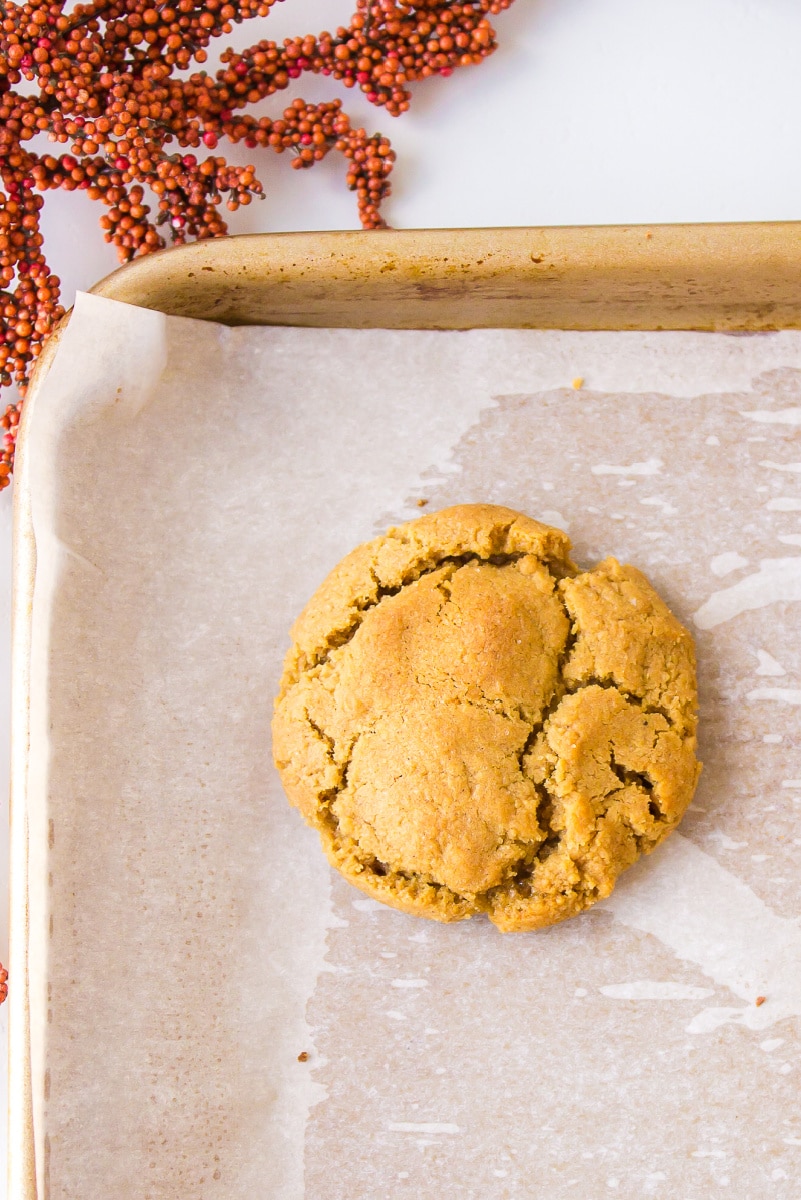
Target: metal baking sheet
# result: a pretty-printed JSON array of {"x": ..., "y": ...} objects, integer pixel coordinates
[{"x": 184, "y": 488}]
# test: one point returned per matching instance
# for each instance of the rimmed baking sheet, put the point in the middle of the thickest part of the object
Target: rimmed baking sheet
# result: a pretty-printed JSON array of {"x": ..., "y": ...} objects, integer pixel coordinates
[{"x": 186, "y": 486}]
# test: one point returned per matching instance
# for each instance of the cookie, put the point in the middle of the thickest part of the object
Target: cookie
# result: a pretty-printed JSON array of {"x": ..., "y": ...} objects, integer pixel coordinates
[{"x": 473, "y": 725}]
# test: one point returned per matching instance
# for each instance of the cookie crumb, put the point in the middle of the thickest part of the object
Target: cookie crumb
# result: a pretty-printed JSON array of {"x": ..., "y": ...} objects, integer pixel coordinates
[
  {"x": 422, "y": 503},
  {"x": 578, "y": 382},
  {"x": 648, "y": 236},
  {"x": 760, "y": 1000},
  {"x": 303, "y": 1056}
]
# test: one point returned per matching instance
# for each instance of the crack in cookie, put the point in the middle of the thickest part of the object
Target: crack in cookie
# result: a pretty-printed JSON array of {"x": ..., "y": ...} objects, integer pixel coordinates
[{"x": 475, "y": 726}]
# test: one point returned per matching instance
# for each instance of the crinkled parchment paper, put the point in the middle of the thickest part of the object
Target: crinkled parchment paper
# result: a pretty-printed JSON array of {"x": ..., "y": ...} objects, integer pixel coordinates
[{"x": 190, "y": 486}]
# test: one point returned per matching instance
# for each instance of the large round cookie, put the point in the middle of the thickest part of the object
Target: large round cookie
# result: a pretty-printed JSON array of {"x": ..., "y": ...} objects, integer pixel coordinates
[{"x": 473, "y": 725}]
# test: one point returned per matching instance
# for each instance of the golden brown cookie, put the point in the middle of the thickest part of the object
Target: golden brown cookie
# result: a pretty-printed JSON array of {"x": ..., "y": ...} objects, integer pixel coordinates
[{"x": 473, "y": 725}]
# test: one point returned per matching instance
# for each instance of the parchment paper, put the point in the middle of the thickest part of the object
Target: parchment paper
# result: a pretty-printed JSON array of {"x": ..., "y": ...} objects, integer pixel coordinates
[{"x": 190, "y": 486}]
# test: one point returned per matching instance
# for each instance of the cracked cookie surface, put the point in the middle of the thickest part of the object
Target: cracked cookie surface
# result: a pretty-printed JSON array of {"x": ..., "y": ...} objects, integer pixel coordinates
[{"x": 473, "y": 725}]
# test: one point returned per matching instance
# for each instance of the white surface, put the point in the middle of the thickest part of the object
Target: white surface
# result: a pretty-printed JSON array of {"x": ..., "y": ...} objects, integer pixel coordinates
[{"x": 591, "y": 111}]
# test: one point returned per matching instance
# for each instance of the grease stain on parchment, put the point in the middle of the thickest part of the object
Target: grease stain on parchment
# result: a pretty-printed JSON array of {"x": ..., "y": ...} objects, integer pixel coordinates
[{"x": 518, "y": 1012}]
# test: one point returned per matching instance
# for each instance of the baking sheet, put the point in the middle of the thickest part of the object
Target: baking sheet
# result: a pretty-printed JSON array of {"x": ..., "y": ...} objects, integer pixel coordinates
[{"x": 189, "y": 485}]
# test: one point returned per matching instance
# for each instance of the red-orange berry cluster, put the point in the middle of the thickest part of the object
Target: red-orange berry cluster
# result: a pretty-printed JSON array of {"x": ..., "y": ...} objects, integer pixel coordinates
[{"x": 139, "y": 137}]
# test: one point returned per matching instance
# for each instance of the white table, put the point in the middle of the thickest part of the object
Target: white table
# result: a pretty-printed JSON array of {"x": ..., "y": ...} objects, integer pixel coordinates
[{"x": 591, "y": 112}]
